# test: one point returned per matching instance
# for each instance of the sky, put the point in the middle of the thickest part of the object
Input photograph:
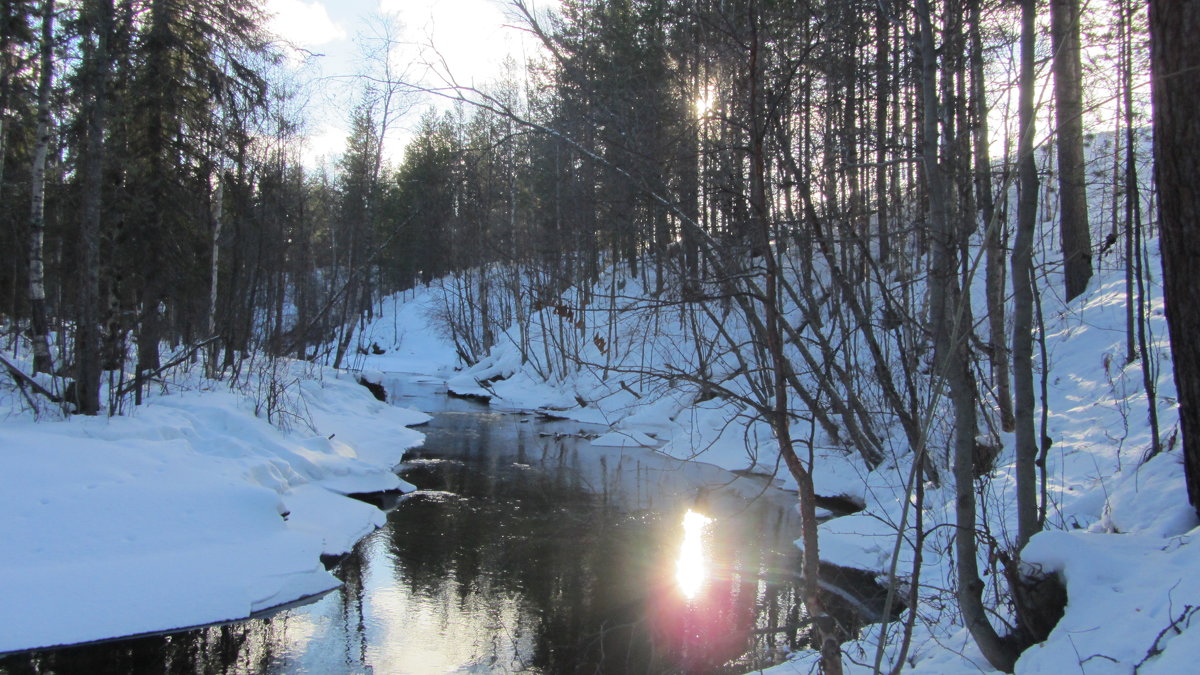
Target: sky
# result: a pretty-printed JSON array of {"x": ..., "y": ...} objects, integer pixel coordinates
[{"x": 471, "y": 36}]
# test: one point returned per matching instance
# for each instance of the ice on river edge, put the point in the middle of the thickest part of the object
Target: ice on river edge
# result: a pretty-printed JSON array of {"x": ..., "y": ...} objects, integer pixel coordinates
[{"x": 190, "y": 510}]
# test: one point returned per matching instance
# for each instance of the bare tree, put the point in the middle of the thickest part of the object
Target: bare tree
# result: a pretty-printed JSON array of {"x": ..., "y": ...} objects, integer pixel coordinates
[
  {"x": 950, "y": 312},
  {"x": 1023, "y": 287},
  {"x": 994, "y": 230},
  {"x": 1068, "y": 94}
]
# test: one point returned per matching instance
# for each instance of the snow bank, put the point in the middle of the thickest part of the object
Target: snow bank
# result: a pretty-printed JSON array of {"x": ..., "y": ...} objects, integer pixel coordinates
[
  {"x": 190, "y": 510},
  {"x": 1119, "y": 531},
  {"x": 640, "y": 411},
  {"x": 404, "y": 334}
]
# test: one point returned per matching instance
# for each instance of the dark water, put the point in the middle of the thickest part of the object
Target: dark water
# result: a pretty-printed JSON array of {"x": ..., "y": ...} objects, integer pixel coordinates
[{"x": 525, "y": 550}]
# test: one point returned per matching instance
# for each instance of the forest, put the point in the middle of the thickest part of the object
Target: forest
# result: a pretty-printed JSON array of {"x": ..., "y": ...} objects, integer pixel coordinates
[{"x": 842, "y": 218}]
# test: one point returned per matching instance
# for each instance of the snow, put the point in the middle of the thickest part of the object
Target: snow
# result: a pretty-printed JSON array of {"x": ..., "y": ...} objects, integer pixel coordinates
[
  {"x": 1120, "y": 531},
  {"x": 403, "y": 330},
  {"x": 625, "y": 439},
  {"x": 1124, "y": 589},
  {"x": 137, "y": 523},
  {"x": 190, "y": 510}
]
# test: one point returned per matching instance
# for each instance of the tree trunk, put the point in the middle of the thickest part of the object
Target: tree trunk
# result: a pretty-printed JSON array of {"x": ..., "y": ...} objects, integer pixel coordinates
[
  {"x": 1125, "y": 120},
  {"x": 1023, "y": 290},
  {"x": 6, "y": 68},
  {"x": 948, "y": 306},
  {"x": 826, "y": 627},
  {"x": 1068, "y": 93},
  {"x": 149, "y": 335},
  {"x": 882, "y": 80},
  {"x": 98, "y": 64},
  {"x": 993, "y": 229},
  {"x": 1174, "y": 25},
  {"x": 689, "y": 187},
  {"x": 218, "y": 212},
  {"x": 42, "y": 363}
]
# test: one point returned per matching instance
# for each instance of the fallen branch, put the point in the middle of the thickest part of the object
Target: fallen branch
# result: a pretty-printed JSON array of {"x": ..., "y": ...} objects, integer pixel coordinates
[
  {"x": 187, "y": 354},
  {"x": 22, "y": 379}
]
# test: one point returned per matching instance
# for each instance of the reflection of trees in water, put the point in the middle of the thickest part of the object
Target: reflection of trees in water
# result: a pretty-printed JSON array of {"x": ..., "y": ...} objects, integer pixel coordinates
[
  {"x": 594, "y": 575},
  {"x": 247, "y": 647},
  {"x": 516, "y": 533},
  {"x": 557, "y": 558},
  {"x": 352, "y": 570}
]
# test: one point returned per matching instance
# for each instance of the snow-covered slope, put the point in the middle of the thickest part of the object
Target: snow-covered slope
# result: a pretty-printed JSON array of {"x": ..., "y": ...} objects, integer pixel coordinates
[
  {"x": 1119, "y": 529},
  {"x": 189, "y": 510}
]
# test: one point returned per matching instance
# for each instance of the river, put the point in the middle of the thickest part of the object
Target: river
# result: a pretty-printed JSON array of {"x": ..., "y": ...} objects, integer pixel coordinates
[{"x": 525, "y": 549}]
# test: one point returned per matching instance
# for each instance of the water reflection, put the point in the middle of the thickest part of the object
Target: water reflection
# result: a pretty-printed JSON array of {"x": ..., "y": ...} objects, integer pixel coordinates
[
  {"x": 690, "y": 569},
  {"x": 526, "y": 550}
]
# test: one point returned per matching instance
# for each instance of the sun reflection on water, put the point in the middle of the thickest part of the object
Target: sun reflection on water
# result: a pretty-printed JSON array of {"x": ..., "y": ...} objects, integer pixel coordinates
[{"x": 691, "y": 568}]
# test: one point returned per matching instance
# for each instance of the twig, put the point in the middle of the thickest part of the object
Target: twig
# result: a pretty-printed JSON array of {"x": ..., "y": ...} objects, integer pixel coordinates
[
  {"x": 626, "y": 388},
  {"x": 1155, "y": 647}
]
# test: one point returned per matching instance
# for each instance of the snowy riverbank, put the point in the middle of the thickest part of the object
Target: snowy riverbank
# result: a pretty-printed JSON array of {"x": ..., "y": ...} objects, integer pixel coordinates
[
  {"x": 171, "y": 516},
  {"x": 189, "y": 510},
  {"x": 1119, "y": 531}
]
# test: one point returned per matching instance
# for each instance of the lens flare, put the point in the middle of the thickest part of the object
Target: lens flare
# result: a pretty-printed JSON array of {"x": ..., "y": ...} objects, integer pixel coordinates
[{"x": 691, "y": 569}]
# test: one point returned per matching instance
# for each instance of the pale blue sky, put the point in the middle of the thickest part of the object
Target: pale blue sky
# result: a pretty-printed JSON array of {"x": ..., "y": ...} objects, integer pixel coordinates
[{"x": 471, "y": 36}]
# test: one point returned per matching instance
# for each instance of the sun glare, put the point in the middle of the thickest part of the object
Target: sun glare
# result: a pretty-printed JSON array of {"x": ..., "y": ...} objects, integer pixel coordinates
[
  {"x": 691, "y": 569},
  {"x": 704, "y": 102}
]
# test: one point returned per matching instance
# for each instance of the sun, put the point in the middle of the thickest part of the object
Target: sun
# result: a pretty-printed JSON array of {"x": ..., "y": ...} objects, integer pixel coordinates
[{"x": 705, "y": 102}]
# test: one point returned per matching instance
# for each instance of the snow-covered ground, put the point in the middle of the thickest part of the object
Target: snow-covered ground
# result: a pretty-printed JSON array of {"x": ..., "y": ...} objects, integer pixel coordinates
[
  {"x": 1120, "y": 530},
  {"x": 190, "y": 509},
  {"x": 172, "y": 515}
]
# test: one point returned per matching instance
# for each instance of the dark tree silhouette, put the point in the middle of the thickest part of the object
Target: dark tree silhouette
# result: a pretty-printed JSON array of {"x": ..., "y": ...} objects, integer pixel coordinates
[{"x": 1174, "y": 25}]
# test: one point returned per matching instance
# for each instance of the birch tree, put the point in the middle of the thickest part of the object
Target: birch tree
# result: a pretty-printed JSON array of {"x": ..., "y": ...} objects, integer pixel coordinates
[{"x": 42, "y": 361}]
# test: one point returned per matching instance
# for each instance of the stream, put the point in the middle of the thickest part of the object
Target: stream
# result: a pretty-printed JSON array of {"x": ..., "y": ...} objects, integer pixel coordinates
[{"x": 524, "y": 549}]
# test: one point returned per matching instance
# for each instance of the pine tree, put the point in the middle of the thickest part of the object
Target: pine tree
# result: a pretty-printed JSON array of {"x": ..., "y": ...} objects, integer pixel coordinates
[{"x": 1174, "y": 58}]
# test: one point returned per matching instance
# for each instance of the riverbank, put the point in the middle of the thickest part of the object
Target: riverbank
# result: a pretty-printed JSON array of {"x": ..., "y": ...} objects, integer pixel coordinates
[
  {"x": 191, "y": 509},
  {"x": 1119, "y": 530},
  {"x": 138, "y": 521},
  {"x": 524, "y": 548}
]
